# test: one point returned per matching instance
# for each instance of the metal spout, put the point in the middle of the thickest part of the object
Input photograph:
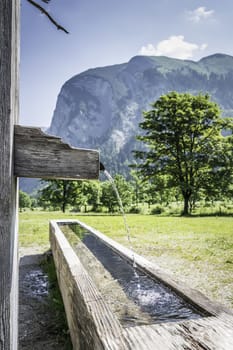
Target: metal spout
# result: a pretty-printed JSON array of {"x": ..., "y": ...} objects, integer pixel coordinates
[{"x": 102, "y": 167}]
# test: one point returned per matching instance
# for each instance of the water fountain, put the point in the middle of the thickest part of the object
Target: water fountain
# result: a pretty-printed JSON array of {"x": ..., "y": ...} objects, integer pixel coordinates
[{"x": 116, "y": 299}]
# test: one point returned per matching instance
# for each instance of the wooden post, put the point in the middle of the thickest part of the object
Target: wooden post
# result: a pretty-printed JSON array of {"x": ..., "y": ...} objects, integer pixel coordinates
[
  {"x": 31, "y": 154},
  {"x": 9, "y": 46}
]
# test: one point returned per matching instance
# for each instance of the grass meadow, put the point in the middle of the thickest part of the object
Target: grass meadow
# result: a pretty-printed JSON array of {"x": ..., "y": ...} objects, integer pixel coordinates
[{"x": 197, "y": 250}]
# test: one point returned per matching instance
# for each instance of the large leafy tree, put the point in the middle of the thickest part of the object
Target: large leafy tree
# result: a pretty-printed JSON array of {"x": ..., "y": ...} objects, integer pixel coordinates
[
  {"x": 59, "y": 193},
  {"x": 63, "y": 193},
  {"x": 90, "y": 193},
  {"x": 183, "y": 136}
]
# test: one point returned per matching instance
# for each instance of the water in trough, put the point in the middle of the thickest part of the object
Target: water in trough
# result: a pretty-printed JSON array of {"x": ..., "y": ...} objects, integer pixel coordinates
[{"x": 132, "y": 295}]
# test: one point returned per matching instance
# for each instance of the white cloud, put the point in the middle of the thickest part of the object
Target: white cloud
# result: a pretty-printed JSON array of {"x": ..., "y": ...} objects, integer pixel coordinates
[
  {"x": 201, "y": 13},
  {"x": 174, "y": 46},
  {"x": 203, "y": 47}
]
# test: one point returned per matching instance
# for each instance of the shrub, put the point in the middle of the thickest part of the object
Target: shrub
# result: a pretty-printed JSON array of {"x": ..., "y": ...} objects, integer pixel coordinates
[
  {"x": 135, "y": 210},
  {"x": 157, "y": 210}
]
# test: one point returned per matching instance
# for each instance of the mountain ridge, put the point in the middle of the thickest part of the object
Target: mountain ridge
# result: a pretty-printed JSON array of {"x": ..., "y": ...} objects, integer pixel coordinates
[{"x": 102, "y": 107}]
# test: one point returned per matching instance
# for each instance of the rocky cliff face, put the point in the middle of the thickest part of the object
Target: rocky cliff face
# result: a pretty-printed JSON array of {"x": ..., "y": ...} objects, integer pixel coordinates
[{"x": 101, "y": 108}]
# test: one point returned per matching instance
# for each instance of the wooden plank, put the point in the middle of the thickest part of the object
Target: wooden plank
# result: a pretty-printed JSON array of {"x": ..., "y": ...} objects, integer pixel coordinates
[
  {"x": 92, "y": 324},
  {"x": 9, "y": 46},
  {"x": 210, "y": 333},
  {"x": 38, "y": 155}
]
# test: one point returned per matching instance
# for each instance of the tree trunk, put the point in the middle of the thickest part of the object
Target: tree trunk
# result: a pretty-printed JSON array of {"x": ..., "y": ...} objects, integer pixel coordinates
[
  {"x": 63, "y": 207},
  {"x": 186, "y": 204},
  {"x": 64, "y": 196}
]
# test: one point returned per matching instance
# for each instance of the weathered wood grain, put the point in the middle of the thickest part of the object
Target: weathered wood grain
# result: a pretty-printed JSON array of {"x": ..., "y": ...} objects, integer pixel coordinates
[
  {"x": 92, "y": 324},
  {"x": 38, "y": 155},
  {"x": 210, "y": 332},
  {"x": 9, "y": 46}
]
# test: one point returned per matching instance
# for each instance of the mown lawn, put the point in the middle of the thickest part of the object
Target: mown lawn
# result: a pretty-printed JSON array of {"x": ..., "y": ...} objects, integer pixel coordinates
[{"x": 198, "y": 250}]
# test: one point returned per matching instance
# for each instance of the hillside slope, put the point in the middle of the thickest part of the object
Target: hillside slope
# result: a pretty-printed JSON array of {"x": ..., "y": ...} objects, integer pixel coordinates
[{"x": 102, "y": 107}]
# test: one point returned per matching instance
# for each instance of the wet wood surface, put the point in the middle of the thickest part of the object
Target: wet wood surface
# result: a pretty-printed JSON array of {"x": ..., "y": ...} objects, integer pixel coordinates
[
  {"x": 94, "y": 326},
  {"x": 38, "y": 155}
]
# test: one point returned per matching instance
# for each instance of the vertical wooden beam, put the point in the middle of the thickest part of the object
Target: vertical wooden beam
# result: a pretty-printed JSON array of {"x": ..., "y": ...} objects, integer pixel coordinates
[{"x": 9, "y": 46}]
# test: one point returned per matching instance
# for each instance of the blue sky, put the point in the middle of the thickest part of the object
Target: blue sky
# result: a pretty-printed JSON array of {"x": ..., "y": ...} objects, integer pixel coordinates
[{"x": 106, "y": 32}]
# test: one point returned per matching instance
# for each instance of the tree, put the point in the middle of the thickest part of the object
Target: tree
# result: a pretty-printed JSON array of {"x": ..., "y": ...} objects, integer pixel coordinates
[
  {"x": 24, "y": 200},
  {"x": 109, "y": 198},
  {"x": 59, "y": 193},
  {"x": 89, "y": 195},
  {"x": 92, "y": 190},
  {"x": 144, "y": 191},
  {"x": 183, "y": 139},
  {"x": 138, "y": 188}
]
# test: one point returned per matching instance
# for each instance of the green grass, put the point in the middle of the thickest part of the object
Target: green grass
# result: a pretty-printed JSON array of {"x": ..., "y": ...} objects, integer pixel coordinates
[
  {"x": 187, "y": 234},
  {"x": 34, "y": 227},
  {"x": 192, "y": 238},
  {"x": 196, "y": 249},
  {"x": 56, "y": 302}
]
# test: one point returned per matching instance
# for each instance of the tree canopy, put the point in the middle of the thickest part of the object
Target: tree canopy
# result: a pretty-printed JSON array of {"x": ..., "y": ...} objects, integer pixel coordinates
[
  {"x": 59, "y": 193},
  {"x": 24, "y": 200},
  {"x": 183, "y": 138}
]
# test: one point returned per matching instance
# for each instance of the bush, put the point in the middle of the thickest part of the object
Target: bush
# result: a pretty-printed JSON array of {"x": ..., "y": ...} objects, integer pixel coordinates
[
  {"x": 175, "y": 211},
  {"x": 99, "y": 209},
  {"x": 157, "y": 210},
  {"x": 135, "y": 210}
]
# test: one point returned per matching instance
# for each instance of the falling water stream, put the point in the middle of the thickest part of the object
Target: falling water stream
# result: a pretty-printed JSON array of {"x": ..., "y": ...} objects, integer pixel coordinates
[{"x": 111, "y": 180}]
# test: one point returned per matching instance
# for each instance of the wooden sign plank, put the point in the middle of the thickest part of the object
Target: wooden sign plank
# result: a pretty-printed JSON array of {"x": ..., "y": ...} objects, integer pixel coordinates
[{"x": 38, "y": 155}]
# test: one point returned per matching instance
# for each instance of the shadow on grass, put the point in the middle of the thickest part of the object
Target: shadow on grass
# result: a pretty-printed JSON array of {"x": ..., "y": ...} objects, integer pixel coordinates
[{"x": 217, "y": 213}]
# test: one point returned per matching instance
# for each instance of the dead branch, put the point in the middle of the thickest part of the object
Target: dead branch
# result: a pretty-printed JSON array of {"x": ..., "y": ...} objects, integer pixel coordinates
[{"x": 40, "y": 8}]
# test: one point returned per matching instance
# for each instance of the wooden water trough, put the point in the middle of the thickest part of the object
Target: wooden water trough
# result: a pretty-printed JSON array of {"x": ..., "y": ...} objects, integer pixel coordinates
[{"x": 93, "y": 325}]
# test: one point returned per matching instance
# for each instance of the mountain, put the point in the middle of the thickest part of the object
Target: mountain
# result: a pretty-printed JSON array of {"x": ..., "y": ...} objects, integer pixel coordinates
[
  {"x": 30, "y": 186},
  {"x": 102, "y": 107}
]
